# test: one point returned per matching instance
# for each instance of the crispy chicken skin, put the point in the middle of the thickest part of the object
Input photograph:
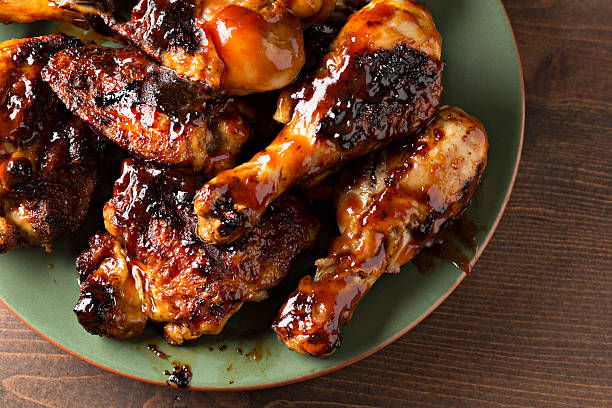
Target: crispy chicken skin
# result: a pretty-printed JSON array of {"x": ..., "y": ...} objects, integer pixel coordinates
[
  {"x": 381, "y": 81},
  {"x": 241, "y": 45},
  {"x": 48, "y": 158},
  {"x": 148, "y": 109},
  {"x": 28, "y": 11},
  {"x": 151, "y": 265},
  {"x": 389, "y": 206}
]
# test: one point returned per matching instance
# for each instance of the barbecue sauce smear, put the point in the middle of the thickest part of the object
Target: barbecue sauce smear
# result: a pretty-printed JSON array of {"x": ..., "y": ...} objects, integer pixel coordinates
[
  {"x": 180, "y": 375},
  {"x": 463, "y": 231}
]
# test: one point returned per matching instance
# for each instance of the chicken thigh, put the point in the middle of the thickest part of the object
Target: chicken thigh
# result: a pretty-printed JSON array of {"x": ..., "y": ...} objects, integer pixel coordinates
[
  {"x": 148, "y": 109},
  {"x": 150, "y": 265},
  {"x": 389, "y": 206}
]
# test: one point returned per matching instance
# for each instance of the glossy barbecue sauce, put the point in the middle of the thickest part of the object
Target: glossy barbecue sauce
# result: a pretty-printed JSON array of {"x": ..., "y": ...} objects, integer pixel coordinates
[
  {"x": 155, "y": 350},
  {"x": 180, "y": 375},
  {"x": 258, "y": 352},
  {"x": 450, "y": 248}
]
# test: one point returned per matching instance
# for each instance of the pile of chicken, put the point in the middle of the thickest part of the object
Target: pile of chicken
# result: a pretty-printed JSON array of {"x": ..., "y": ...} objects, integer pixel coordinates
[{"x": 193, "y": 230}]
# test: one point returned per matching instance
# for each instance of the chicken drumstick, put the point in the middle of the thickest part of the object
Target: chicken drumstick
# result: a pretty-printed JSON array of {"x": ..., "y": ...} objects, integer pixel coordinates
[
  {"x": 388, "y": 208},
  {"x": 381, "y": 81}
]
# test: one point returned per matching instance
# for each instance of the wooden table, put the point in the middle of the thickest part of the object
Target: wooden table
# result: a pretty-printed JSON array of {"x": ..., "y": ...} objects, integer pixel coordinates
[{"x": 531, "y": 326}]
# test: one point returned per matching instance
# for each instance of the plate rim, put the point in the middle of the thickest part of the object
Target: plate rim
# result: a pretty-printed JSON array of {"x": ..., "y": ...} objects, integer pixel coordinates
[{"x": 371, "y": 351}]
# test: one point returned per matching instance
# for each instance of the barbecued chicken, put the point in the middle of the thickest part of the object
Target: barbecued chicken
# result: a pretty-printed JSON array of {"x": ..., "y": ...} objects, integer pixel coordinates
[
  {"x": 241, "y": 45},
  {"x": 381, "y": 81},
  {"x": 389, "y": 207},
  {"x": 148, "y": 109},
  {"x": 48, "y": 158},
  {"x": 27, "y": 11},
  {"x": 151, "y": 265}
]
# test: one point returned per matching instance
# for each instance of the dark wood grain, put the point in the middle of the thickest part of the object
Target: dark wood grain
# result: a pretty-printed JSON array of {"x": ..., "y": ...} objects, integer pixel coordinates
[{"x": 532, "y": 325}]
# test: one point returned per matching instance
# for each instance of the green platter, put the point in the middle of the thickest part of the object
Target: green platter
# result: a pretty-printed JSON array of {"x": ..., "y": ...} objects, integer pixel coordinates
[{"x": 482, "y": 75}]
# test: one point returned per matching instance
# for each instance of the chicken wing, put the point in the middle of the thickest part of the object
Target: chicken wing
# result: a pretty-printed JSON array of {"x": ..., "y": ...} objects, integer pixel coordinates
[
  {"x": 48, "y": 158},
  {"x": 151, "y": 265},
  {"x": 389, "y": 207},
  {"x": 241, "y": 45},
  {"x": 28, "y": 11},
  {"x": 147, "y": 109},
  {"x": 381, "y": 81}
]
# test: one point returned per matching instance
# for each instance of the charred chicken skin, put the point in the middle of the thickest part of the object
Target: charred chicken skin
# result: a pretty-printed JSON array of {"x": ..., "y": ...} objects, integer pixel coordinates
[
  {"x": 381, "y": 81},
  {"x": 151, "y": 265},
  {"x": 48, "y": 157},
  {"x": 388, "y": 208},
  {"x": 241, "y": 45},
  {"x": 148, "y": 109}
]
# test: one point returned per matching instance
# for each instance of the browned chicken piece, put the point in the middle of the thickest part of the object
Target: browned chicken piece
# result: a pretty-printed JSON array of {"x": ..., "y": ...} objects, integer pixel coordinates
[
  {"x": 148, "y": 109},
  {"x": 388, "y": 207},
  {"x": 28, "y": 11},
  {"x": 48, "y": 158},
  {"x": 381, "y": 81},
  {"x": 151, "y": 265},
  {"x": 241, "y": 45}
]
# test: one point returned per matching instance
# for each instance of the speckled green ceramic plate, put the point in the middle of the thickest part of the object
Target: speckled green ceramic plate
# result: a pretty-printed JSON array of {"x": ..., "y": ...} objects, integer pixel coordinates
[{"x": 482, "y": 76}]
